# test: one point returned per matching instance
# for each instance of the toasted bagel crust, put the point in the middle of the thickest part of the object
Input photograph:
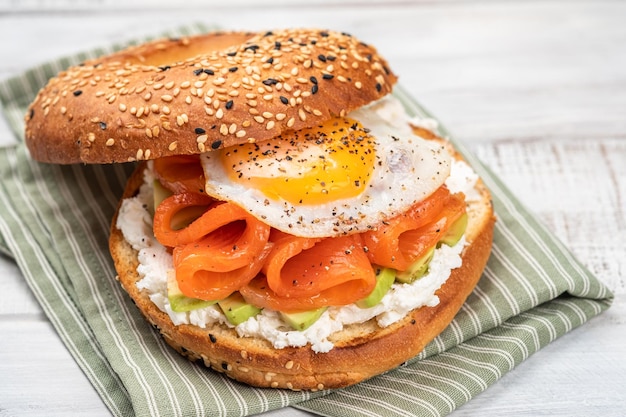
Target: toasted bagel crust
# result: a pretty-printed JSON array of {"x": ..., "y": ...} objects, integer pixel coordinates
[
  {"x": 357, "y": 352},
  {"x": 194, "y": 94}
]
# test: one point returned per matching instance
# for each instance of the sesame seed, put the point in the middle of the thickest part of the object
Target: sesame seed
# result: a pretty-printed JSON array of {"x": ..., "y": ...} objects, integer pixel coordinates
[
  {"x": 148, "y": 132},
  {"x": 270, "y": 125},
  {"x": 289, "y": 365},
  {"x": 110, "y": 142},
  {"x": 77, "y": 93},
  {"x": 240, "y": 133},
  {"x": 291, "y": 122},
  {"x": 259, "y": 119},
  {"x": 229, "y": 104},
  {"x": 358, "y": 84},
  {"x": 166, "y": 98},
  {"x": 199, "y": 130},
  {"x": 328, "y": 76},
  {"x": 267, "y": 115},
  {"x": 224, "y": 129},
  {"x": 216, "y": 144},
  {"x": 284, "y": 100},
  {"x": 91, "y": 137},
  {"x": 280, "y": 116},
  {"x": 173, "y": 146},
  {"x": 301, "y": 115},
  {"x": 219, "y": 114},
  {"x": 314, "y": 89},
  {"x": 202, "y": 138}
]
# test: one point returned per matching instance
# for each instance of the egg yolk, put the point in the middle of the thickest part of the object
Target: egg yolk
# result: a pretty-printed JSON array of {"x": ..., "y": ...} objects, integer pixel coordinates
[{"x": 325, "y": 163}]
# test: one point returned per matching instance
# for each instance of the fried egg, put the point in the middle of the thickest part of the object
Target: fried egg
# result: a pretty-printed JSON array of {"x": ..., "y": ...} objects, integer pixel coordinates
[{"x": 343, "y": 176}]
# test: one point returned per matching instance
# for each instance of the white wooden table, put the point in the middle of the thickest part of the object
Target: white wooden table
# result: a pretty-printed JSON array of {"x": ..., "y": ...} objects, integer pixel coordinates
[{"x": 536, "y": 89}]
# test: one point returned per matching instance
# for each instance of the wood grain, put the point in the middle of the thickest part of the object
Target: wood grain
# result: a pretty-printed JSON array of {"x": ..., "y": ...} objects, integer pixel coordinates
[{"x": 534, "y": 89}]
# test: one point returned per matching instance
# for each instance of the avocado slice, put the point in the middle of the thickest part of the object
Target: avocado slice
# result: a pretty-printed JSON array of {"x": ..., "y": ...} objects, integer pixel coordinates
[
  {"x": 455, "y": 232},
  {"x": 418, "y": 269},
  {"x": 159, "y": 193},
  {"x": 236, "y": 309},
  {"x": 385, "y": 277},
  {"x": 178, "y": 301},
  {"x": 302, "y": 320}
]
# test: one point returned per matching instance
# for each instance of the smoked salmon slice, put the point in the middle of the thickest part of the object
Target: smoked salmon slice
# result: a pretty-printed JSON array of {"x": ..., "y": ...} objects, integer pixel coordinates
[
  {"x": 216, "y": 253},
  {"x": 403, "y": 239}
]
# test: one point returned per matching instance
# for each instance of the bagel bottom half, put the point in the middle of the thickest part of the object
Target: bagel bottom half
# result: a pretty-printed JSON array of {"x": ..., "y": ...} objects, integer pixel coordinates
[{"x": 360, "y": 351}]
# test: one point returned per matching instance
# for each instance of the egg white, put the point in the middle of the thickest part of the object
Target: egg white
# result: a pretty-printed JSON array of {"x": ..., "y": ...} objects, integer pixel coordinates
[{"x": 407, "y": 170}]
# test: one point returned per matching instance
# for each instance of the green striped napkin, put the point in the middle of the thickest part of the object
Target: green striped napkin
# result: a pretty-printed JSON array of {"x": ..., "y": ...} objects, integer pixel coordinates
[{"x": 54, "y": 221}]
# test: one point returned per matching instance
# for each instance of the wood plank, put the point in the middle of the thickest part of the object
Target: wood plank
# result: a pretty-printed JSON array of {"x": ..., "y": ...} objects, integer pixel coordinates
[{"x": 41, "y": 378}]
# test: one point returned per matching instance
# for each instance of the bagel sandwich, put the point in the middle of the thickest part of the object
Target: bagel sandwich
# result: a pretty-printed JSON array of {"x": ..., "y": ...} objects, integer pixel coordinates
[{"x": 286, "y": 221}]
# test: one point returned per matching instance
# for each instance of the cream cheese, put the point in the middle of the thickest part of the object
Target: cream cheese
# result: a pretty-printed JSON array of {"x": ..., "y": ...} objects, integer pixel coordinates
[{"x": 135, "y": 222}]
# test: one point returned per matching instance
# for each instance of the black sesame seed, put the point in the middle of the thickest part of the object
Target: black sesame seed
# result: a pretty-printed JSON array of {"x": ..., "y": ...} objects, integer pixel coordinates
[
  {"x": 324, "y": 34},
  {"x": 224, "y": 366},
  {"x": 331, "y": 57},
  {"x": 233, "y": 69},
  {"x": 208, "y": 71},
  {"x": 77, "y": 93},
  {"x": 212, "y": 338},
  {"x": 284, "y": 100},
  {"x": 229, "y": 104},
  {"x": 328, "y": 76},
  {"x": 216, "y": 144},
  {"x": 103, "y": 125},
  {"x": 253, "y": 48},
  {"x": 378, "y": 87},
  {"x": 164, "y": 67},
  {"x": 269, "y": 33},
  {"x": 197, "y": 71},
  {"x": 313, "y": 80},
  {"x": 199, "y": 131},
  {"x": 270, "y": 81},
  {"x": 277, "y": 45},
  {"x": 232, "y": 53},
  {"x": 321, "y": 58},
  {"x": 270, "y": 60},
  {"x": 314, "y": 89}
]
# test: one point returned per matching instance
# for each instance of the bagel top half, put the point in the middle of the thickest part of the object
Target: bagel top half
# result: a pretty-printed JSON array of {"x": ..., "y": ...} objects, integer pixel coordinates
[{"x": 193, "y": 94}]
